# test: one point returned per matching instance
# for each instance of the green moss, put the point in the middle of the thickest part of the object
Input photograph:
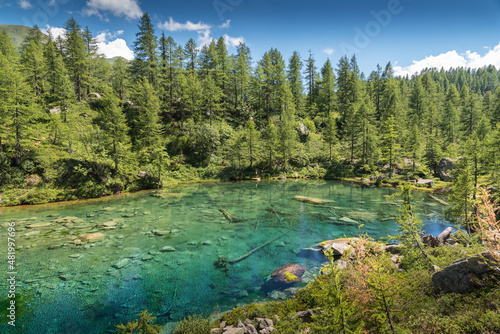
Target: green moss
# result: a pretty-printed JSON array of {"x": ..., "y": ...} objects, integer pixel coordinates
[{"x": 290, "y": 277}]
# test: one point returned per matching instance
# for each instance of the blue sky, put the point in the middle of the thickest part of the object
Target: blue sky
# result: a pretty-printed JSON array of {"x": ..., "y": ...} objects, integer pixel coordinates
[{"x": 412, "y": 34}]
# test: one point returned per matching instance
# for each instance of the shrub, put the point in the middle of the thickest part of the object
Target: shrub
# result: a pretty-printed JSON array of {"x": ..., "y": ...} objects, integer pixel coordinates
[{"x": 193, "y": 324}]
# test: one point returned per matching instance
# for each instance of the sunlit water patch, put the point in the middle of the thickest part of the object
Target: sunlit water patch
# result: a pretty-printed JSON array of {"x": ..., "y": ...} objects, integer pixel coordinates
[{"x": 159, "y": 249}]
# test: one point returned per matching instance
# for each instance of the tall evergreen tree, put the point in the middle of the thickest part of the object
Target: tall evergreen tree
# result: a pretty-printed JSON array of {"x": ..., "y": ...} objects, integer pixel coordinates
[
  {"x": 327, "y": 95},
  {"x": 294, "y": 74},
  {"x": 145, "y": 63},
  {"x": 74, "y": 49}
]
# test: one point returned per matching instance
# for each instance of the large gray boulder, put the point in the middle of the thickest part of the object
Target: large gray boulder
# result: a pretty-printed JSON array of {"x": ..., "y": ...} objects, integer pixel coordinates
[
  {"x": 467, "y": 274},
  {"x": 444, "y": 169}
]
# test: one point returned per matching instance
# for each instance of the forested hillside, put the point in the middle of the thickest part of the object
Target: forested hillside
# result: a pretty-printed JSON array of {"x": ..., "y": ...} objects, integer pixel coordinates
[{"x": 73, "y": 125}]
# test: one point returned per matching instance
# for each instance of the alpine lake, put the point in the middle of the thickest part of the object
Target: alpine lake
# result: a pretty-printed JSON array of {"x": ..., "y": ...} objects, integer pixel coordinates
[{"x": 159, "y": 249}]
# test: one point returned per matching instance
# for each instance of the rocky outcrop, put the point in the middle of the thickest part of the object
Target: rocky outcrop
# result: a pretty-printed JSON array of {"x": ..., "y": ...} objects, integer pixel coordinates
[
  {"x": 429, "y": 183},
  {"x": 284, "y": 277},
  {"x": 444, "y": 168},
  {"x": 339, "y": 246},
  {"x": 467, "y": 274},
  {"x": 256, "y": 326}
]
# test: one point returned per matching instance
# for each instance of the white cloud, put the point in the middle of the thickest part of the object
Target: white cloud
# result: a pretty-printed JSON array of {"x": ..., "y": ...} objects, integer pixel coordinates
[
  {"x": 233, "y": 41},
  {"x": 204, "y": 31},
  {"x": 172, "y": 25},
  {"x": 55, "y": 31},
  {"x": 113, "y": 48},
  {"x": 25, "y": 4},
  {"x": 328, "y": 51},
  {"x": 225, "y": 24},
  {"x": 116, "y": 48},
  {"x": 452, "y": 59},
  {"x": 128, "y": 8},
  {"x": 107, "y": 42}
]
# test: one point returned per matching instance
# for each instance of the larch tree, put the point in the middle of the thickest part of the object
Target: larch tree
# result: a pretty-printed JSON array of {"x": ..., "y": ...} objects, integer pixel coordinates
[
  {"x": 252, "y": 139},
  {"x": 294, "y": 76},
  {"x": 75, "y": 52},
  {"x": 145, "y": 63},
  {"x": 330, "y": 132}
]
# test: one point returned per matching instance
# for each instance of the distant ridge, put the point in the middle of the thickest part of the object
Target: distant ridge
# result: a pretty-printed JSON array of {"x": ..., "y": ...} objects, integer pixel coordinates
[{"x": 16, "y": 32}]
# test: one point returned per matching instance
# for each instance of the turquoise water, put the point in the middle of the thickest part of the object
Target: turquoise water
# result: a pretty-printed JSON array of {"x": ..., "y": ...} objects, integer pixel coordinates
[{"x": 92, "y": 287}]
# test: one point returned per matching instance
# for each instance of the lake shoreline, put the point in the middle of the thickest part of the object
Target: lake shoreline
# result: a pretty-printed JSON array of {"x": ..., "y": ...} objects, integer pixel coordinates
[{"x": 356, "y": 180}]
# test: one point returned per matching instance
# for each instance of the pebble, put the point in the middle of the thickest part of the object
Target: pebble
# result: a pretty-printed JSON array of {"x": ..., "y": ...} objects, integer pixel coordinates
[{"x": 167, "y": 249}]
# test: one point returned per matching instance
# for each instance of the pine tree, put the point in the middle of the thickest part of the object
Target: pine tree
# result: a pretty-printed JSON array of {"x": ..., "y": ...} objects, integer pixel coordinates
[
  {"x": 270, "y": 137},
  {"x": 287, "y": 133},
  {"x": 295, "y": 78},
  {"x": 470, "y": 115},
  {"x": 112, "y": 121},
  {"x": 212, "y": 97},
  {"x": 34, "y": 66},
  {"x": 7, "y": 47},
  {"x": 120, "y": 78},
  {"x": 191, "y": 51},
  {"x": 252, "y": 138},
  {"x": 414, "y": 144},
  {"x": 223, "y": 68},
  {"x": 327, "y": 95},
  {"x": 417, "y": 101},
  {"x": 311, "y": 79},
  {"x": 16, "y": 106},
  {"x": 366, "y": 116},
  {"x": 460, "y": 208},
  {"x": 144, "y": 120},
  {"x": 330, "y": 132},
  {"x": 389, "y": 142},
  {"x": 90, "y": 78},
  {"x": 242, "y": 70},
  {"x": 168, "y": 68},
  {"x": 145, "y": 63},
  {"x": 74, "y": 49}
]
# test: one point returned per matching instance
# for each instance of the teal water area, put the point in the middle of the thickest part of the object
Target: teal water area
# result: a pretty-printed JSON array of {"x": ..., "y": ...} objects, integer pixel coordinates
[{"x": 158, "y": 253}]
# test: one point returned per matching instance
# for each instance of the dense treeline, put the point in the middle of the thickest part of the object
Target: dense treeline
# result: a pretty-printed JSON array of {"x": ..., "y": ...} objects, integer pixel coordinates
[{"x": 76, "y": 122}]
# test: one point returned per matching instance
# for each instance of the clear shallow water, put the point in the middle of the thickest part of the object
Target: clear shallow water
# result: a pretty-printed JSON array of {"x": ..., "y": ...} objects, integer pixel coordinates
[{"x": 77, "y": 289}]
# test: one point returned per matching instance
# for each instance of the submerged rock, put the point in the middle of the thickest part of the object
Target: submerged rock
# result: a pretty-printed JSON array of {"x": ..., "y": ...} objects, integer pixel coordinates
[
  {"x": 167, "y": 249},
  {"x": 122, "y": 263},
  {"x": 69, "y": 219},
  {"x": 161, "y": 233},
  {"x": 39, "y": 225},
  {"x": 92, "y": 237},
  {"x": 284, "y": 277}
]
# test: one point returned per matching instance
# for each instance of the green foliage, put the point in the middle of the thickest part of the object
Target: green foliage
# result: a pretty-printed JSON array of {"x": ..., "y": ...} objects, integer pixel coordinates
[
  {"x": 141, "y": 325},
  {"x": 193, "y": 324}
]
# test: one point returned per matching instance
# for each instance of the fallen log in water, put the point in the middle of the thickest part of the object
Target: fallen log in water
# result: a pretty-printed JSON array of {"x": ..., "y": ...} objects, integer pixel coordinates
[
  {"x": 312, "y": 200},
  {"x": 230, "y": 217},
  {"x": 256, "y": 249},
  {"x": 437, "y": 199}
]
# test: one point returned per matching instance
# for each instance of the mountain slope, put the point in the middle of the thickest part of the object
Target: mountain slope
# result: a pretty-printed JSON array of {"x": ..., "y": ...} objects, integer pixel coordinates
[{"x": 16, "y": 32}]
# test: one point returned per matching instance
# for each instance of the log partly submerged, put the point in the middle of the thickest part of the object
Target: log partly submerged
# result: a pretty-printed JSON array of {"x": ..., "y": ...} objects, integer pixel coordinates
[
  {"x": 312, "y": 200},
  {"x": 256, "y": 249},
  {"x": 437, "y": 199},
  {"x": 230, "y": 217}
]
